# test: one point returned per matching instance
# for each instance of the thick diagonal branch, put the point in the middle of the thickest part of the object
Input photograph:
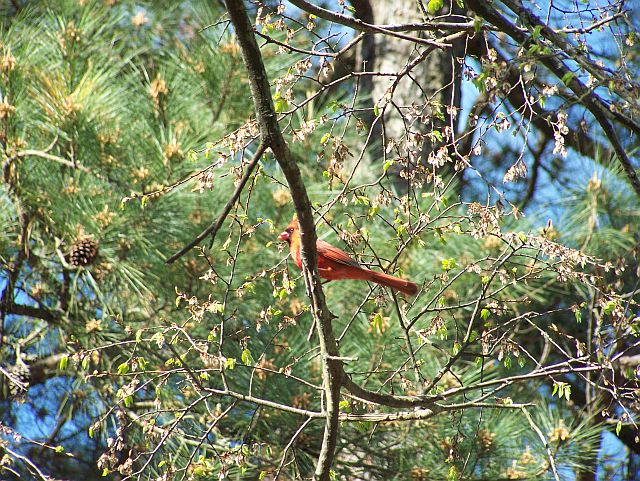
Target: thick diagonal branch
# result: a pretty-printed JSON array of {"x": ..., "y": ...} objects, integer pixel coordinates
[
  {"x": 271, "y": 136},
  {"x": 591, "y": 101}
]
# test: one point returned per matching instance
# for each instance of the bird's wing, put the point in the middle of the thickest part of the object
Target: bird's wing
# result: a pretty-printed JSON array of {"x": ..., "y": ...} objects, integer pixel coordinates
[{"x": 334, "y": 254}]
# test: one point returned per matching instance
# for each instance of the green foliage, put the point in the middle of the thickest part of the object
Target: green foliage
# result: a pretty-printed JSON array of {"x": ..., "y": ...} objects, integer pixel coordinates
[{"x": 125, "y": 125}]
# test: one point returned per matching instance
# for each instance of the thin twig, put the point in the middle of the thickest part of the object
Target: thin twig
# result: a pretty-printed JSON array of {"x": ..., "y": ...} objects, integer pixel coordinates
[
  {"x": 31, "y": 466},
  {"x": 215, "y": 226},
  {"x": 54, "y": 158},
  {"x": 535, "y": 427},
  {"x": 289, "y": 444}
]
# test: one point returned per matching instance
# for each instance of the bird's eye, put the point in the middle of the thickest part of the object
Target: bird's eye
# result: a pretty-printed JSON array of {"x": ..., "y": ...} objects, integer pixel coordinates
[{"x": 290, "y": 230}]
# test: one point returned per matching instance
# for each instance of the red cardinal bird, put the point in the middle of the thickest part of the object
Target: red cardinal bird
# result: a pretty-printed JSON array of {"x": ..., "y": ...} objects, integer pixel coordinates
[{"x": 335, "y": 264}]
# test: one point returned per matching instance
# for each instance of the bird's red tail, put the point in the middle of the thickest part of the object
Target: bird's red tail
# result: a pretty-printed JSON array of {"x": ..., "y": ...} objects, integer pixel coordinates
[{"x": 396, "y": 283}]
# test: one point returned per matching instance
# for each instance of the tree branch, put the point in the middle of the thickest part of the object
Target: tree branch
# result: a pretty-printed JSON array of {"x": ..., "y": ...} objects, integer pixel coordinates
[
  {"x": 390, "y": 30},
  {"x": 272, "y": 137},
  {"x": 532, "y": 21},
  {"x": 591, "y": 101},
  {"x": 35, "y": 312},
  {"x": 215, "y": 226},
  {"x": 389, "y": 400}
]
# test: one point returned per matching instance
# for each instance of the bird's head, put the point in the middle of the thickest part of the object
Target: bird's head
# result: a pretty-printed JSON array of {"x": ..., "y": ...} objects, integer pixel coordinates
[{"x": 287, "y": 234}]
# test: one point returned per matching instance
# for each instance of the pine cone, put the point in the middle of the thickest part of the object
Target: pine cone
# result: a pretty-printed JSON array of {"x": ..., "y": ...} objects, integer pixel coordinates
[
  {"x": 83, "y": 251},
  {"x": 19, "y": 372}
]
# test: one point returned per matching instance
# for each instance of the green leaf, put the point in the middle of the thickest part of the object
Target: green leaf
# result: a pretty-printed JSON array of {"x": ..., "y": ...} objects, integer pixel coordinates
[
  {"x": 123, "y": 368},
  {"x": 142, "y": 362},
  {"x": 333, "y": 106},
  {"x": 563, "y": 389},
  {"x": 610, "y": 307},
  {"x": 281, "y": 105},
  {"x": 344, "y": 406},
  {"x": 386, "y": 166},
  {"x": 376, "y": 110},
  {"x": 448, "y": 264},
  {"x": 59, "y": 449},
  {"x": 485, "y": 313},
  {"x": 452, "y": 474},
  {"x": 507, "y": 362},
  {"x": 105, "y": 472},
  {"x": 578, "y": 315},
  {"x": 439, "y": 113},
  {"x": 64, "y": 362},
  {"x": 567, "y": 78},
  {"x": 618, "y": 428},
  {"x": 85, "y": 362},
  {"x": 199, "y": 471},
  {"x": 533, "y": 50},
  {"x": 479, "y": 82},
  {"x": 434, "y": 6},
  {"x": 247, "y": 358},
  {"x": 536, "y": 31},
  {"x": 442, "y": 333},
  {"x": 325, "y": 138},
  {"x": 230, "y": 363}
]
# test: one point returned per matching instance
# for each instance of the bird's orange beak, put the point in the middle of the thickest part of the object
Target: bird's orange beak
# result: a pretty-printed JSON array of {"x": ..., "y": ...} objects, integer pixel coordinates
[{"x": 284, "y": 236}]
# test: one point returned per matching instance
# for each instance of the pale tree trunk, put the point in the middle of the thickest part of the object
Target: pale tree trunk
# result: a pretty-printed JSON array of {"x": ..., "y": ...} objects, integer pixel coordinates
[{"x": 430, "y": 85}]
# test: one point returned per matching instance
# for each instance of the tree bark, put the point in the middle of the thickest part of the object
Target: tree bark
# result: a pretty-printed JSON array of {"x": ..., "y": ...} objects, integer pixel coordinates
[
  {"x": 431, "y": 85},
  {"x": 271, "y": 136}
]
